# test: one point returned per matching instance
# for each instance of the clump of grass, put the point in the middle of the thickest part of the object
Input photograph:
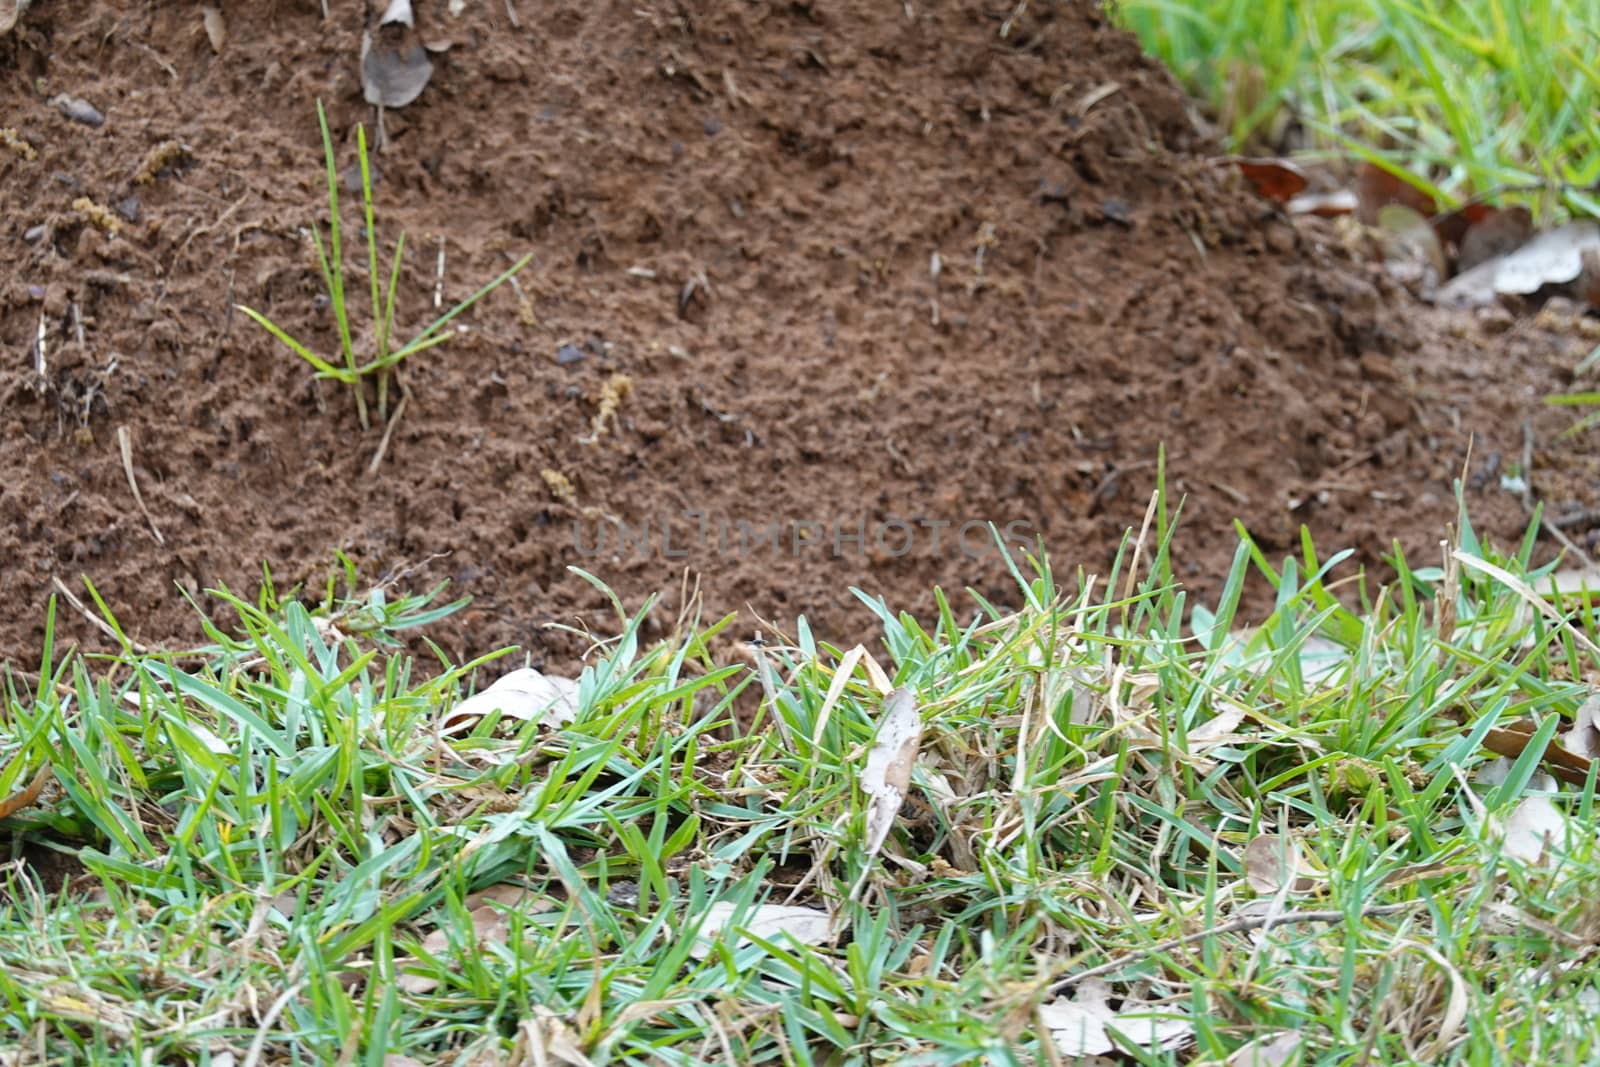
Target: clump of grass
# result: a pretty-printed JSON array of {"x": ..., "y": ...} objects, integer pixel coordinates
[
  {"x": 1465, "y": 95},
  {"x": 283, "y": 859},
  {"x": 384, "y": 357}
]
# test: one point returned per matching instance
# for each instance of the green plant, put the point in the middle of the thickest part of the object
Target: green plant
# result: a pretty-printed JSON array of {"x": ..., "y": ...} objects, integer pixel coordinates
[
  {"x": 1465, "y": 95},
  {"x": 330, "y": 260}
]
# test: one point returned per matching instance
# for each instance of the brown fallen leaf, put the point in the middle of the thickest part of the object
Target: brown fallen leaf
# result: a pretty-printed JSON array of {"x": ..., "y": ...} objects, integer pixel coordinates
[
  {"x": 1512, "y": 740},
  {"x": 1377, "y": 188},
  {"x": 29, "y": 793},
  {"x": 1275, "y": 179},
  {"x": 1495, "y": 233}
]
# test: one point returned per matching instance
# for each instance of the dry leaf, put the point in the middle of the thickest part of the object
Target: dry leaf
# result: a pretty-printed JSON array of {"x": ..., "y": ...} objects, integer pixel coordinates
[
  {"x": 1084, "y": 1025},
  {"x": 1275, "y": 179},
  {"x": 1377, "y": 188},
  {"x": 398, "y": 13},
  {"x": 395, "y": 67},
  {"x": 216, "y": 28},
  {"x": 1325, "y": 205},
  {"x": 1583, "y": 739},
  {"x": 1271, "y": 862},
  {"x": 1495, "y": 233},
  {"x": 10, "y": 12},
  {"x": 1534, "y": 825},
  {"x": 1509, "y": 741},
  {"x": 808, "y": 926},
  {"x": 27, "y": 795},
  {"x": 1220, "y": 727},
  {"x": 548, "y": 1038},
  {"x": 1406, "y": 235},
  {"x": 887, "y": 777},
  {"x": 525, "y": 695},
  {"x": 1554, "y": 257},
  {"x": 1266, "y": 1051}
]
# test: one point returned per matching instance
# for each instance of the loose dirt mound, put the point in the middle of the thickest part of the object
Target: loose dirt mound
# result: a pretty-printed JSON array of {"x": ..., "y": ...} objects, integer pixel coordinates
[{"x": 851, "y": 269}]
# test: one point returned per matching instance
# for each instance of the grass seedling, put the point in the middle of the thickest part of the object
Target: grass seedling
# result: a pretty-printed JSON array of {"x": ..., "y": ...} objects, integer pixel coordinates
[{"x": 384, "y": 357}]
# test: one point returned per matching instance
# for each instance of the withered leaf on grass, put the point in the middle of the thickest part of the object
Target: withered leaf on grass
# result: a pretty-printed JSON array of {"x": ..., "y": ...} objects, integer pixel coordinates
[
  {"x": 1272, "y": 862},
  {"x": 1407, "y": 236},
  {"x": 525, "y": 695},
  {"x": 1275, "y": 179},
  {"x": 1510, "y": 741},
  {"x": 1495, "y": 232},
  {"x": 1534, "y": 825},
  {"x": 1377, "y": 188},
  {"x": 1083, "y": 1026},
  {"x": 26, "y": 795},
  {"x": 887, "y": 776},
  {"x": 809, "y": 926}
]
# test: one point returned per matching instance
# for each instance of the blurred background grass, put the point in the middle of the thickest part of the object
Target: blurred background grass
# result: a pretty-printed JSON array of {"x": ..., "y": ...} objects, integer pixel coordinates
[{"x": 1466, "y": 95}]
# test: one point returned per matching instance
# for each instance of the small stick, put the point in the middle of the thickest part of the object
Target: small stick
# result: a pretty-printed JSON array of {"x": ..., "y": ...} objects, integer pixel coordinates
[
  {"x": 1234, "y": 926},
  {"x": 77, "y": 323},
  {"x": 388, "y": 430},
  {"x": 125, "y": 441},
  {"x": 511, "y": 13},
  {"x": 438, "y": 278},
  {"x": 38, "y": 349},
  {"x": 96, "y": 621}
]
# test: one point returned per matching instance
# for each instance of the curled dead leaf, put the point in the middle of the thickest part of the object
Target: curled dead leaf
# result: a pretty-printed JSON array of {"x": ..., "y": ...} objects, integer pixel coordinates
[
  {"x": 808, "y": 926},
  {"x": 216, "y": 29},
  {"x": 1376, "y": 188},
  {"x": 1275, "y": 179},
  {"x": 1510, "y": 741},
  {"x": 526, "y": 695},
  {"x": 1496, "y": 233},
  {"x": 1533, "y": 826},
  {"x": 393, "y": 77},
  {"x": 887, "y": 776},
  {"x": 10, "y": 12},
  {"x": 1407, "y": 236},
  {"x": 1272, "y": 862},
  {"x": 27, "y": 795}
]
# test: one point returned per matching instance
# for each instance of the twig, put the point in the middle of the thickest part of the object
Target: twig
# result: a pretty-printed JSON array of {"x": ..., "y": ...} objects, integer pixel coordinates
[
  {"x": 388, "y": 430},
  {"x": 1233, "y": 926},
  {"x": 511, "y": 13},
  {"x": 1566, "y": 542},
  {"x": 253, "y": 1055},
  {"x": 438, "y": 278},
  {"x": 125, "y": 441},
  {"x": 96, "y": 621}
]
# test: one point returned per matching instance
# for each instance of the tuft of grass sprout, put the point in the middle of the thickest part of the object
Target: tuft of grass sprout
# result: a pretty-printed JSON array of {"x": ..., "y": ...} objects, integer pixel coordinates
[
  {"x": 280, "y": 857},
  {"x": 384, "y": 357}
]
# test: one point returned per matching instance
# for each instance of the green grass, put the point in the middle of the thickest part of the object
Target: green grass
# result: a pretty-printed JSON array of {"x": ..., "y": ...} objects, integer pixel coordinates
[
  {"x": 1466, "y": 95},
  {"x": 278, "y": 853},
  {"x": 382, "y": 358}
]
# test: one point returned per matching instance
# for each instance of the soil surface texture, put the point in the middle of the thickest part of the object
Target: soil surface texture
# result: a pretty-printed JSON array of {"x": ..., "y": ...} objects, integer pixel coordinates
[{"x": 816, "y": 290}]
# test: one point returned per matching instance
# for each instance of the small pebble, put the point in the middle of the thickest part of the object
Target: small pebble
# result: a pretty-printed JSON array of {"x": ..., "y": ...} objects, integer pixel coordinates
[
  {"x": 128, "y": 208},
  {"x": 568, "y": 354},
  {"x": 34, "y": 234},
  {"x": 35, "y": 292},
  {"x": 79, "y": 110},
  {"x": 712, "y": 127}
]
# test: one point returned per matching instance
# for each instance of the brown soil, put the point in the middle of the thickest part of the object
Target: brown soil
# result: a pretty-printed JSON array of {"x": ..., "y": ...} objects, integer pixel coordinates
[{"x": 734, "y": 211}]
